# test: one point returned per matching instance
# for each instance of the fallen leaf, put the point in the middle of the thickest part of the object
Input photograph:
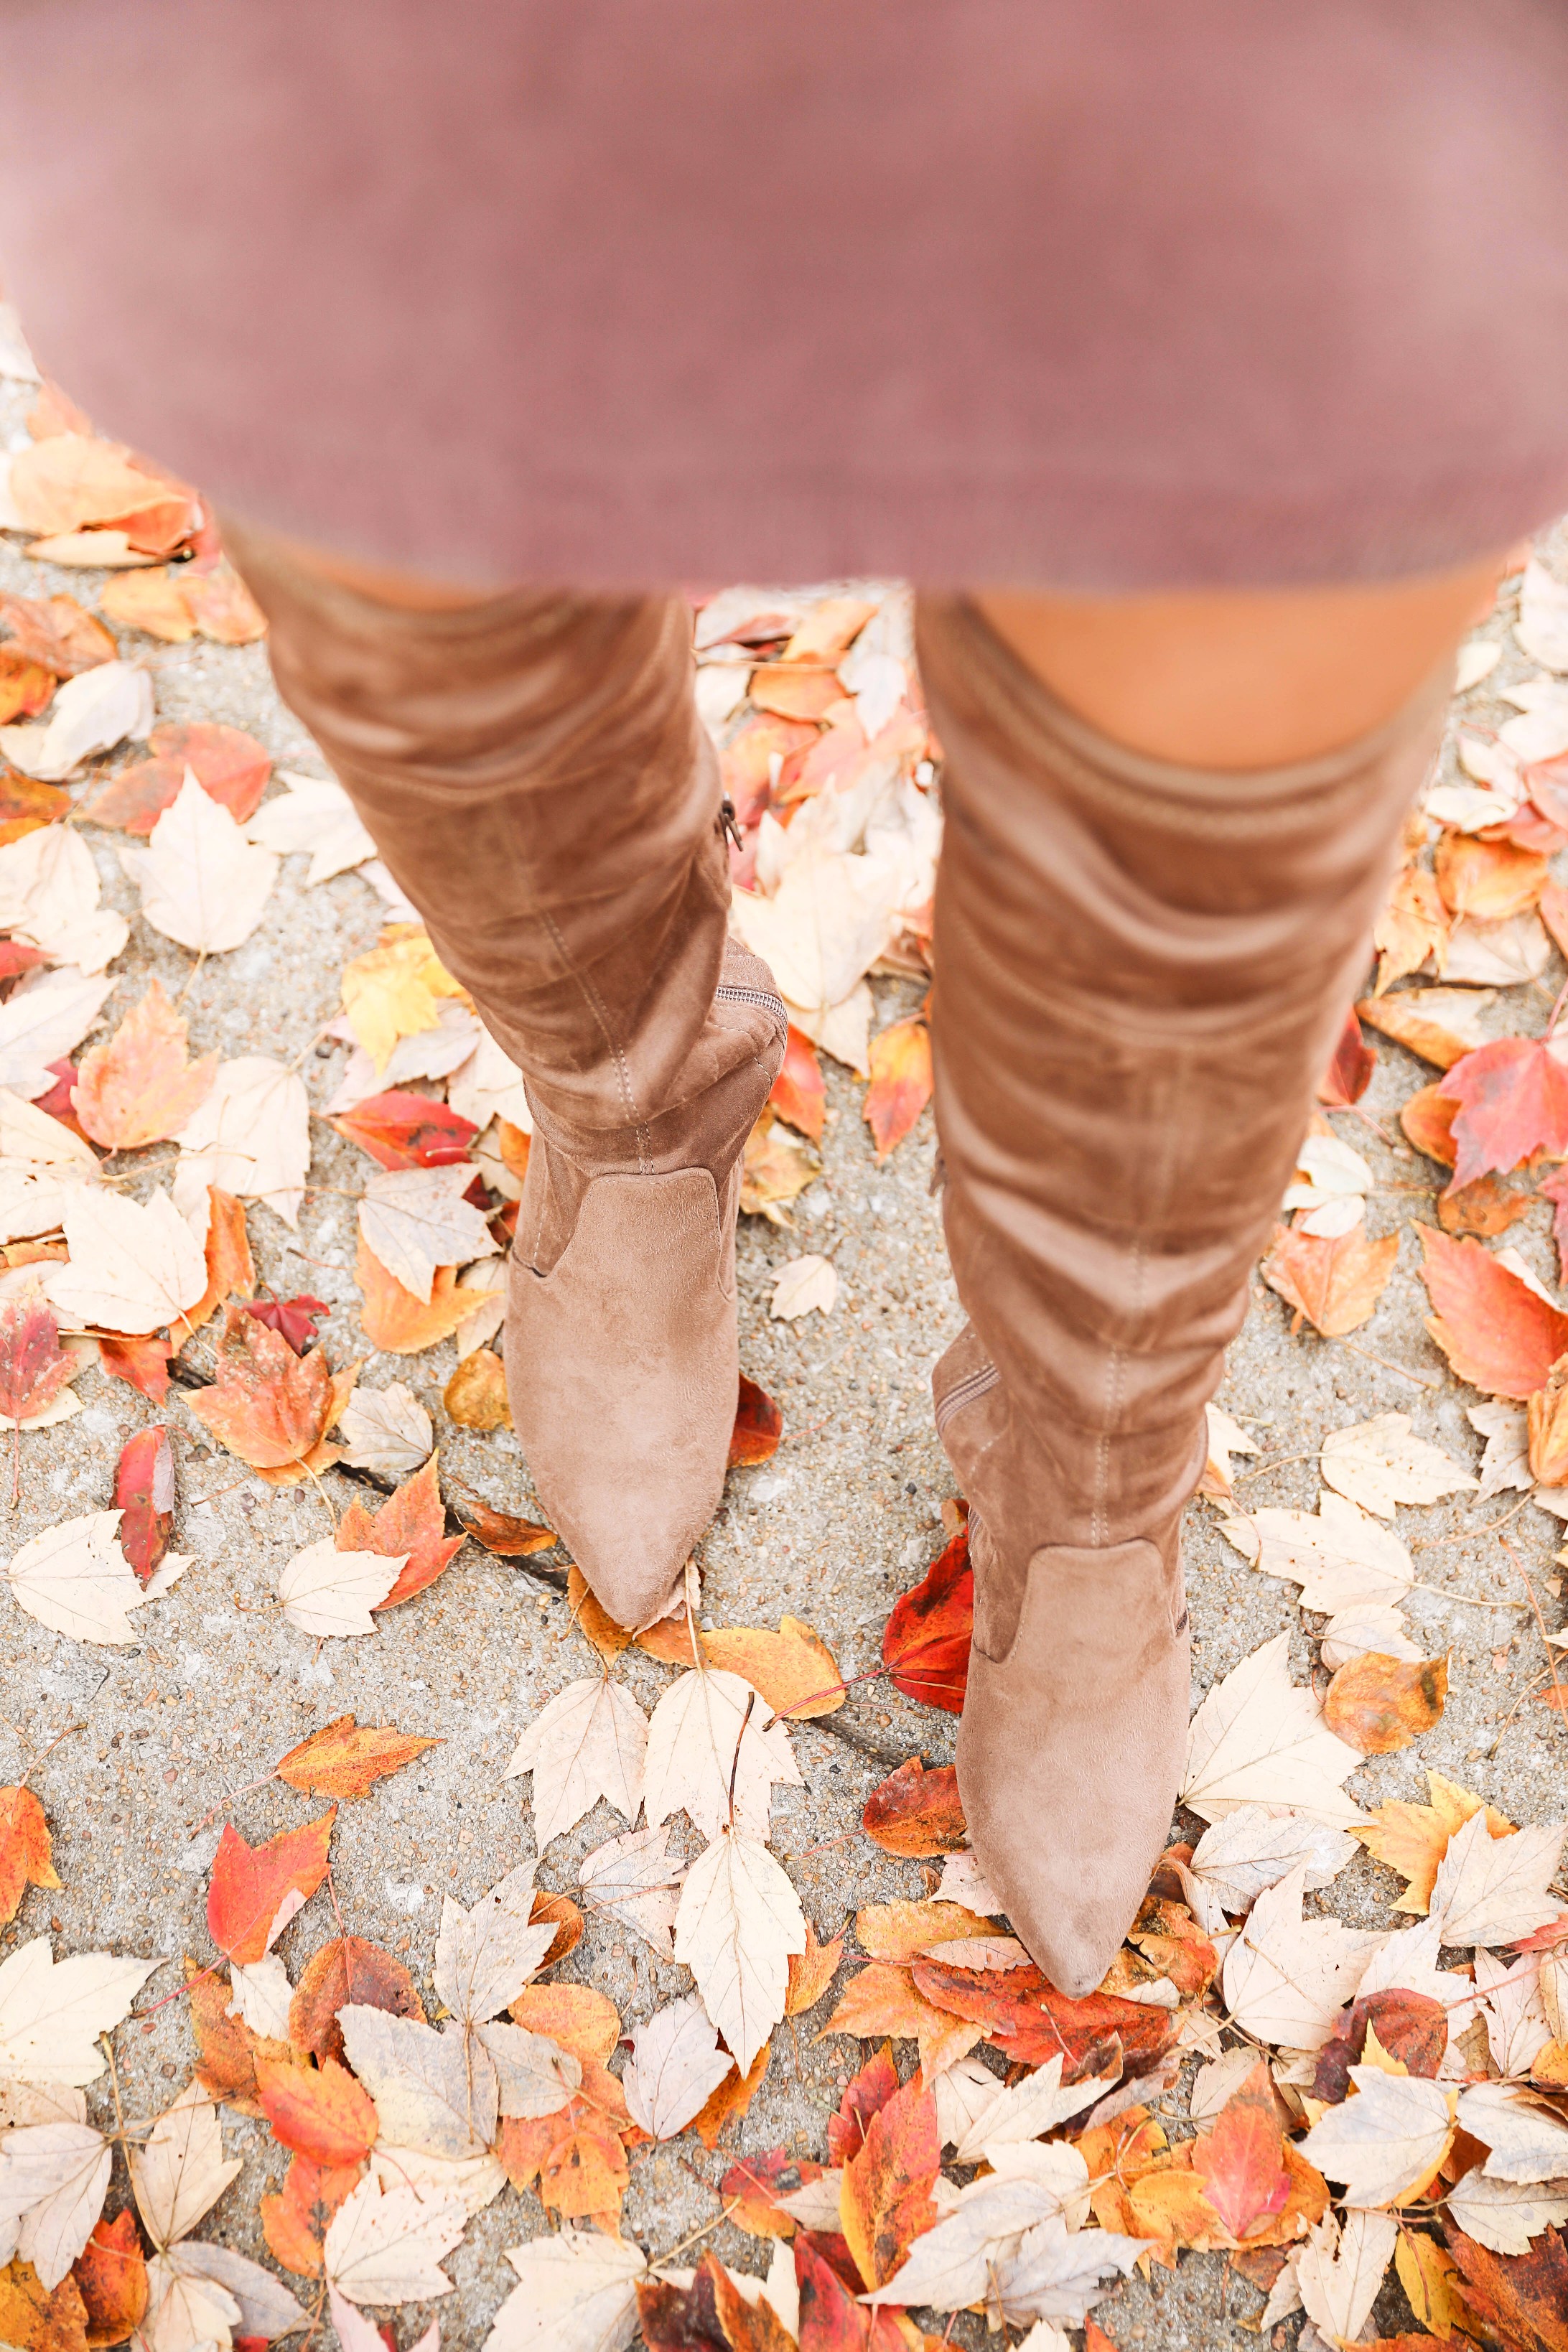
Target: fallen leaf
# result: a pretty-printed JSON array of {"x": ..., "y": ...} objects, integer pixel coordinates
[
  {"x": 344, "y": 1758},
  {"x": 498, "y": 1532},
  {"x": 1525, "y": 2299},
  {"x": 150, "y": 601},
  {"x": 1338, "y": 1556},
  {"x": 1339, "y": 2270},
  {"x": 110, "y": 2273},
  {"x": 1251, "y": 1848},
  {"x": 34, "y": 1367},
  {"x": 348, "y": 1971},
  {"x": 1021, "y": 2011},
  {"x": 1505, "y": 2215},
  {"x": 1440, "y": 1025},
  {"x": 76, "y": 1579},
  {"x": 53, "y": 2013},
  {"x": 775, "y": 1168},
  {"x": 415, "y": 1220},
  {"x": 55, "y": 633},
  {"x": 915, "y": 1812},
  {"x": 1378, "y": 1464},
  {"x": 925, "y": 1645},
  {"x": 1334, "y": 1283},
  {"x": 320, "y": 2111},
  {"x": 1487, "y": 880},
  {"x": 885, "y": 2201},
  {"x": 1014, "y": 2116},
  {"x": 759, "y": 1424},
  {"x": 901, "y": 1932},
  {"x": 203, "y": 884},
  {"x": 881, "y": 1999},
  {"x": 1412, "y": 925},
  {"x": 254, "y": 1891},
  {"x": 411, "y": 1526},
  {"x": 72, "y": 480},
  {"x": 395, "y": 991},
  {"x": 408, "y": 1130},
  {"x": 1378, "y": 1704},
  {"x": 142, "y": 1085},
  {"x": 730, "y": 2101},
  {"x": 811, "y": 1972},
  {"x": 386, "y": 2246},
  {"x": 267, "y": 1405},
  {"x": 387, "y": 1431},
  {"x": 799, "y": 1094},
  {"x": 793, "y": 1669},
  {"x": 676, "y": 2064},
  {"x": 1512, "y": 1098},
  {"x": 1259, "y": 1740},
  {"x": 393, "y": 1320},
  {"x": 590, "y": 1742},
  {"x": 1286, "y": 1978},
  {"x": 25, "y": 1850},
  {"x": 804, "y": 1283},
  {"x": 43, "y": 1019},
  {"x": 91, "y": 713},
  {"x": 709, "y": 1757},
  {"x": 50, "y": 896},
  {"x": 222, "y": 605},
  {"x": 576, "y": 2291},
  {"x": 330, "y": 1592},
  {"x": 632, "y": 1880},
  {"x": 134, "y": 1266},
  {"x": 250, "y": 1138},
  {"x": 180, "y": 2170},
  {"x": 900, "y": 1083},
  {"x": 1497, "y": 1332},
  {"x": 1387, "y": 2142},
  {"x": 1241, "y": 2161},
  {"x": 294, "y": 1319},
  {"x": 295, "y": 2221},
  {"x": 229, "y": 765},
  {"x": 1492, "y": 1890},
  {"x": 739, "y": 1920},
  {"x": 1412, "y": 1839},
  {"x": 1350, "y": 1069},
  {"x": 144, "y": 1496},
  {"x": 231, "y": 1270},
  {"x": 30, "y": 2315},
  {"x": 475, "y": 1397},
  {"x": 1410, "y": 2027},
  {"x": 317, "y": 815}
]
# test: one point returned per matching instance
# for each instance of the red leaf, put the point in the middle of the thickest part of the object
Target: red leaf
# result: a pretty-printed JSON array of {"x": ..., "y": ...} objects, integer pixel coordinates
[
  {"x": 887, "y": 2200},
  {"x": 413, "y": 1521},
  {"x": 1493, "y": 1329},
  {"x": 34, "y": 1367},
  {"x": 868, "y": 2090},
  {"x": 799, "y": 1094},
  {"x": 1349, "y": 1073},
  {"x": 915, "y": 1812},
  {"x": 17, "y": 956},
  {"x": 759, "y": 1424},
  {"x": 254, "y": 1891},
  {"x": 57, "y": 1101},
  {"x": 144, "y": 1492},
  {"x": 752, "y": 2184},
  {"x": 1240, "y": 2162},
  {"x": 320, "y": 2111},
  {"x": 1410, "y": 2026},
  {"x": 1523, "y": 2297},
  {"x": 831, "y": 2317},
  {"x": 144, "y": 1363},
  {"x": 229, "y": 765},
  {"x": 1024, "y": 2013},
  {"x": 295, "y": 1320},
  {"x": 1513, "y": 1101},
  {"x": 408, "y": 1130},
  {"x": 900, "y": 1082},
  {"x": 926, "y": 1645},
  {"x": 24, "y": 1849},
  {"x": 110, "y": 2272}
]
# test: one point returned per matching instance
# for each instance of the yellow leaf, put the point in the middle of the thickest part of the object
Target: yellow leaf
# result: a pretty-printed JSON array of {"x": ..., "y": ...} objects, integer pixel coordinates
[
  {"x": 395, "y": 991},
  {"x": 793, "y": 1669}
]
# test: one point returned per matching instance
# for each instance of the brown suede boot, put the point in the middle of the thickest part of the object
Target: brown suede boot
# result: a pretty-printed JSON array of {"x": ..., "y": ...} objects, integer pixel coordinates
[{"x": 1142, "y": 969}]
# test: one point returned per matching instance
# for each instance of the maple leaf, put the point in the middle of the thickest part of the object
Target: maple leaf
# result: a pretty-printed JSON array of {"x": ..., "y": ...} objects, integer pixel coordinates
[
  {"x": 1412, "y": 925},
  {"x": 295, "y": 2221},
  {"x": 1256, "y": 1738},
  {"x": 1512, "y": 1098},
  {"x": 76, "y": 1579},
  {"x": 415, "y": 1220},
  {"x": 250, "y": 1137},
  {"x": 775, "y": 1167},
  {"x": 709, "y": 1757},
  {"x": 144, "y": 1496},
  {"x": 254, "y": 1891},
  {"x": 231, "y": 1270},
  {"x": 134, "y": 1266},
  {"x": 1497, "y": 1332},
  {"x": 395, "y": 991},
  {"x": 230, "y": 766},
  {"x": 1241, "y": 2161},
  {"x": 915, "y": 1812},
  {"x": 1285, "y": 1977},
  {"x": 885, "y": 2200},
  {"x": 142, "y": 1085},
  {"x": 861, "y": 2097},
  {"x": 393, "y": 1320},
  {"x": 344, "y": 1759},
  {"x": 1491, "y": 1890},
  {"x": 1378, "y": 1464},
  {"x": 883, "y": 1999},
  {"x": 407, "y": 1131},
  {"x": 52, "y": 2013},
  {"x": 387, "y": 1431},
  {"x": 903, "y": 1931},
  {"x": 739, "y": 1920},
  {"x": 202, "y": 883},
  {"x": 731, "y": 2100},
  {"x": 676, "y": 2064},
  {"x": 632, "y": 1880},
  {"x": 799, "y": 1094},
  {"x": 294, "y": 1319},
  {"x": 110, "y": 2273},
  {"x": 227, "y": 2047},
  {"x": 1410, "y": 2027},
  {"x": 1524, "y": 2299},
  {"x": 55, "y": 633},
  {"x": 509, "y": 1537},
  {"x": 900, "y": 1083},
  {"x": 1335, "y": 1284},
  {"x": 925, "y": 1645},
  {"x": 410, "y": 1525},
  {"x": 90, "y": 714},
  {"x": 43, "y": 1019},
  {"x": 348, "y": 1971},
  {"x": 267, "y": 1405},
  {"x": 384, "y": 2246},
  {"x": 327, "y": 1591},
  {"x": 589, "y": 1742},
  {"x": 576, "y": 2291},
  {"x": 24, "y": 1849},
  {"x": 1487, "y": 880},
  {"x": 1021, "y": 2011},
  {"x": 144, "y": 1364},
  {"x": 806, "y": 1285},
  {"x": 793, "y": 1669},
  {"x": 319, "y": 2111},
  {"x": 759, "y": 1425},
  {"x": 31, "y": 2314},
  {"x": 1350, "y": 1069}
]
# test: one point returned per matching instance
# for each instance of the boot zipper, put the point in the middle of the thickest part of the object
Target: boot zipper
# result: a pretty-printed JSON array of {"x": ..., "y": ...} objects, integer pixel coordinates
[
  {"x": 764, "y": 997},
  {"x": 972, "y": 1385}
]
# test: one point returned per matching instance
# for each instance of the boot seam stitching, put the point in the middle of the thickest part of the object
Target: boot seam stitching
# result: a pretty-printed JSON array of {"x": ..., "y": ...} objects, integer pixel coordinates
[{"x": 596, "y": 1006}]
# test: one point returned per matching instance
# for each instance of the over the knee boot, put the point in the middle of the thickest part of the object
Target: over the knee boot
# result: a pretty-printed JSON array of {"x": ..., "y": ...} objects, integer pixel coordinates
[
  {"x": 534, "y": 774},
  {"x": 1141, "y": 970}
]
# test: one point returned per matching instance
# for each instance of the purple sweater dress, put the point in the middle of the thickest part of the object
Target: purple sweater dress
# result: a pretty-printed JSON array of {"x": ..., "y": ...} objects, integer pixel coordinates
[{"x": 1096, "y": 294}]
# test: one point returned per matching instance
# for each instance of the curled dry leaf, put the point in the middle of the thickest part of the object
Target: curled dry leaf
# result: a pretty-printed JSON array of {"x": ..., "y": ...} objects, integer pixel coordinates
[
  {"x": 916, "y": 1811},
  {"x": 345, "y": 1758},
  {"x": 1350, "y": 1069},
  {"x": 775, "y": 1167},
  {"x": 144, "y": 1495},
  {"x": 475, "y": 1397},
  {"x": 254, "y": 1891},
  {"x": 1335, "y": 1284},
  {"x": 25, "y": 1850},
  {"x": 759, "y": 1425},
  {"x": 925, "y": 1645},
  {"x": 508, "y": 1537},
  {"x": 1379, "y": 1704}
]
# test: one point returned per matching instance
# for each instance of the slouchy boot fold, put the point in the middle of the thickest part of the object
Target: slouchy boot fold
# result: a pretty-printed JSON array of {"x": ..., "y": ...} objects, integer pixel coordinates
[
  {"x": 535, "y": 776},
  {"x": 1141, "y": 972}
]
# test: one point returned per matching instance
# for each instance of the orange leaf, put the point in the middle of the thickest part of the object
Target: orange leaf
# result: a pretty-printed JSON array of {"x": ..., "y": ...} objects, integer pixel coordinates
[
  {"x": 510, "y": 1539},
  {"x": 793, "y": 1669},
  {"x": 1489, "y": 880},
  {"x": 1428, "y": 1121},
  {"x": 222, "y": 606},
  {"x": 23, "y": 807},
  {"x": 320, "y": 2111},
  {"x": 267, "y": 1405},
  {"x": 916, "y": 1812},
  {"x": 1548, "y": 1426},
  {"x": 926, "y": 1643},
  {"x": 592, "y": 1619},
  {"x": 1412, "y": 1839},
  {"x": 885, "y": 2200},
  {"x": 1402, "y": 1018},
  {"x": 1498, "y": 1333},
  {"x": 55, "y": 633},
  {"x": 254, "y": 1891},
  {"x": 475, "y": 1397},
  {"x": 901, "y": 1932},
  {"x": 900, "y": 1082},
  {"x": 349, "y": 1968},
  {"x": 344, "y": 1758},
  {"x": 579, "y": 2017},
  {"x": 829, "y": 629},
  {"x": 1414, "y": 924},
  {"x": 1024, "y": 2013},
  {"x": 1513, "y": 1101},
  {"x": 1240, "y": 2162},
  {"x": 73, "y": 480},
  {"x": 142, "y": 1085},
  {"x": 863, "y": 2095},
  {"x": 568, "y": 1921},
  {"x": 1524, "y": 2297},
  {"x": 745, "y": 2326},
  {"x": 883, "y": 1999},
  {"x": 1379, "y": 1704},
  {"x": 393, "y": 1320},
  {"x": 231, "y": 1270},
  {"x": 229, "y": 765},
  {"x": 407, "y": 1131},
  {"x": 413, "y": 1521},
  {"x": 24, "y": 1849},
  {"x": 753, "y": 2184},
  {"x": 1334, "y": 1283},
  {"x": 227, "y": 2049},
  {"x": 142, "y": 1364},
  {"x": 794, "y": 692},
  {"x": 575, "y": 2157},
  {"x": 1486, "y": 1207},
  {"x": 811, "y": 1972},
  {"x": 153, "y": 602},
  {"x": 1411, "y": 2028},
  {"x": 746, "y": 763},
  {"x": 144, "y": 1492},
  {"x": 728, "y": 2100},
  {"x": 295, "y": 2221},
  {"x": 110, "y": 2273},
  {"x": 759, "y": 1424},
  {"x": 25, "y": 689},
  {"x": 800, "y": 1095},
  {"x": 45, "y": 2320},
  {"x": 34, "y": 1367},
  {"x": 1349, "y": 1070}
]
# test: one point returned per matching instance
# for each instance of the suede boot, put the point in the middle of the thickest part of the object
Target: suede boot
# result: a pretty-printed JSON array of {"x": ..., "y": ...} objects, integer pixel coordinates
[
  {"x": 1142, "y": 968},
  {"x": 535, "y": 776}
]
